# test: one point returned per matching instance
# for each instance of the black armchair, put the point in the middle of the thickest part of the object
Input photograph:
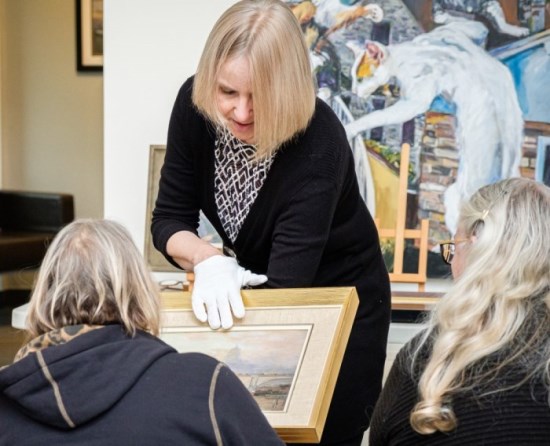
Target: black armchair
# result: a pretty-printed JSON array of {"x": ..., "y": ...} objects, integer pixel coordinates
[{"x": 28, "y": 222}]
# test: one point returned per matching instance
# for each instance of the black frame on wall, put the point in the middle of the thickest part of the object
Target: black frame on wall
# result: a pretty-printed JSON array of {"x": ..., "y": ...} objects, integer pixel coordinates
[{"x": 89, "y": 35}]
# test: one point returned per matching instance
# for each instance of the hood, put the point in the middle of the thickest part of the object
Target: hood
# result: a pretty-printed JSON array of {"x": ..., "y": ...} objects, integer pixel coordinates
[{"x": 66, "y": 385}]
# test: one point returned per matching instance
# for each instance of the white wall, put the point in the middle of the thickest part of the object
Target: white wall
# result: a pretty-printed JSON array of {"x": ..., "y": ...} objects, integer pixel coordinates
[{"x": 150, "y": 48}]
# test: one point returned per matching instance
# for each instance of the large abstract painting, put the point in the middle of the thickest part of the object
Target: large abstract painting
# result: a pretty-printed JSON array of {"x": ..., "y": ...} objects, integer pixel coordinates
[{"x": 464, "y": 82}]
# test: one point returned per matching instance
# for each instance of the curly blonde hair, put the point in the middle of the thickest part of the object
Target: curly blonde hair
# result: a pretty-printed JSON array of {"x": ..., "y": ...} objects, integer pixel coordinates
[
  {"x": 500, "y": 304},
  {"x": 94, "y": 274}
]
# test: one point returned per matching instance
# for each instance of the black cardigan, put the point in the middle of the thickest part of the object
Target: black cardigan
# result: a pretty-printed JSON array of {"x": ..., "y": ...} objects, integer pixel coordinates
[
  {"x": 520, "y": 417},
  {"x": 308, "y": 227}
]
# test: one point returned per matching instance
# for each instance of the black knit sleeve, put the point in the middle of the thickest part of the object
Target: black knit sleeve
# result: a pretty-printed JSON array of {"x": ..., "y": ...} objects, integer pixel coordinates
[{"x": 177, "y": 204}]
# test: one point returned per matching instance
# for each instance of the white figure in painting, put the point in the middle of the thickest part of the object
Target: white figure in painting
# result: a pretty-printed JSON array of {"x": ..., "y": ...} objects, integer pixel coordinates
[
  {"x": 445, "y": 11},
  {"x": 446, "y": 62}
]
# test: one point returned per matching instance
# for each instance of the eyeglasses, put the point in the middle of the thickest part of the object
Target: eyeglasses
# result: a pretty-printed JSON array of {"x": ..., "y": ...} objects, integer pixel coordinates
[{"x": 447, "y": 249}]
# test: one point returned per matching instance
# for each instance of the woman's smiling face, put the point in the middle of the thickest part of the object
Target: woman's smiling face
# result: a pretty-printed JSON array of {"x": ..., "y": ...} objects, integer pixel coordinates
[{"x": 234, "y": 98}]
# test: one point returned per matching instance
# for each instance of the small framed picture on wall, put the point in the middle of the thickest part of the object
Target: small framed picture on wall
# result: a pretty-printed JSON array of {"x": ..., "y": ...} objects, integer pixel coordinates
[{"x": 89, "y": 35}]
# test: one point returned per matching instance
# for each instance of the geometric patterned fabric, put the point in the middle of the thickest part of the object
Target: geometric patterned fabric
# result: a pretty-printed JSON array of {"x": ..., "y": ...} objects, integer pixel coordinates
[{"x": 238, "y": 179}]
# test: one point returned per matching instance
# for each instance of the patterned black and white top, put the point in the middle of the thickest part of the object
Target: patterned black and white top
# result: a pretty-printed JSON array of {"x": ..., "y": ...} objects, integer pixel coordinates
[{"x": 238, "y": 179}]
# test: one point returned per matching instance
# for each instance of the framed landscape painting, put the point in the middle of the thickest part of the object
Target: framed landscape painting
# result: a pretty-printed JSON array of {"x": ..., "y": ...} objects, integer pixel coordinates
[{"x": 287, "y": 350}]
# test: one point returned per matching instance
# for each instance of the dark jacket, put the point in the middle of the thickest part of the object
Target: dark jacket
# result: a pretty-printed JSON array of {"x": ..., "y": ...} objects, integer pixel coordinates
[
  {"x": 518, "y": 417},
  {"x": 308, "y": 227},
  {"x": 105, "y": 388}
]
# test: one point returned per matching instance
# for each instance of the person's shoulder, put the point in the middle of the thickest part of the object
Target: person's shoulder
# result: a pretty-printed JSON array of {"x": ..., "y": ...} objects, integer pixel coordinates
[
  {"x": 192, "y": 366},
  {"x": 198, "y": 359},
  {"x": 185, "y": 114},
  {"x": 417, "y": 348},
  {"x": 324, "y": 118},
  {"x": 324, "y": 137},
  {"x": 186, "y": 90}
]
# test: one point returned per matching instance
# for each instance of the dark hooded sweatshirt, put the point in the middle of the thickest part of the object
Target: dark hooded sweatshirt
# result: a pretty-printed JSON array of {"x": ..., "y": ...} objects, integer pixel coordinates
[{"x": 106, "y": 388}]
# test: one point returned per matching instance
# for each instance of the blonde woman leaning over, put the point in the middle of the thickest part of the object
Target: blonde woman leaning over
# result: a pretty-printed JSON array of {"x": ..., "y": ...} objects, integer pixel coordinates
[
  {"x": 480, "y": 374},
  {"x": 95, "y": 373},
  {"x": 270, "y": 167}
]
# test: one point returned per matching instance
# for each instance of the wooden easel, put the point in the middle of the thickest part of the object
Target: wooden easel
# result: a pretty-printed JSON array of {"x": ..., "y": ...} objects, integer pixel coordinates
[{"x": 400, "y": 233}]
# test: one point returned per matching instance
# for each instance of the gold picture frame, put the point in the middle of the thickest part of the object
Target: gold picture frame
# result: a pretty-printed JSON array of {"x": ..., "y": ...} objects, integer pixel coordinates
[{"x": 287, "y": 350}]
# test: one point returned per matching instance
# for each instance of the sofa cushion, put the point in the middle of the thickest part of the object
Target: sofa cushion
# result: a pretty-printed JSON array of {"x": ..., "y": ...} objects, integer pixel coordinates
[{"x": 35, "y": 211}]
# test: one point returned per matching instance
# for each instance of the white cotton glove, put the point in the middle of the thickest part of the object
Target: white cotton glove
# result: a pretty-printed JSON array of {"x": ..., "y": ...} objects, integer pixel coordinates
[{"x": 218, "y": 283}]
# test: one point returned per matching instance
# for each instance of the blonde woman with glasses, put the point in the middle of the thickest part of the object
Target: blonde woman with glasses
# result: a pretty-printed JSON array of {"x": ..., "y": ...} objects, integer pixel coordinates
[
  {"x": 480, "y": 373},
  {"x": 95, "y": 373},
  {"x": 269, "y": 164}
]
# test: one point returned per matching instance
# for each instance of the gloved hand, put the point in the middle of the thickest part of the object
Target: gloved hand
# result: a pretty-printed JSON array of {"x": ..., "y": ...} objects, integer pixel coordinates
[{"x": 218, "y": 283}]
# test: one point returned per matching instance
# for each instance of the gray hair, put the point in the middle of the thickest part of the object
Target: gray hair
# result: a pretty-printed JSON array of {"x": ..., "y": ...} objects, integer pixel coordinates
[{"x": 94, "y": 274}]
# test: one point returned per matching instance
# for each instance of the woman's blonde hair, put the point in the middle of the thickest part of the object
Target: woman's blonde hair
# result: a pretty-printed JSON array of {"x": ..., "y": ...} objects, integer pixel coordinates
[
  {"x": 268, "y": 34},
  {"x": 498, "y": 308},
  {"x": 94, "y": 274}
]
